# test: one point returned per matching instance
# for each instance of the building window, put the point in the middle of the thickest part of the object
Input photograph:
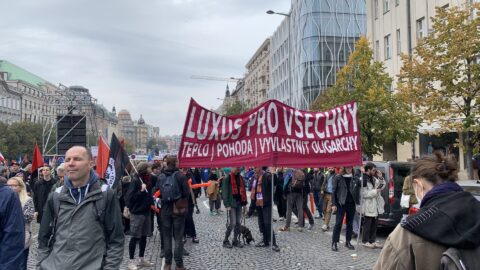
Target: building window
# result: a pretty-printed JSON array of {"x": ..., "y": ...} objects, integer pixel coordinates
[
  {"x": 397, "y": 2},
  {"x": 388, "y": 49},
  {"x": 386, "y": 7},
  {"x": 376, "y": 9},
  {"x": 421, "y": 28},
  {"x": 399, "y": 43},
  {"x": 377, "y": 50}
]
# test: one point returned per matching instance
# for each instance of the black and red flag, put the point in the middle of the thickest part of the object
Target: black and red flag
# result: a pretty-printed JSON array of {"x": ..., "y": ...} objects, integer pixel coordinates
[{"x": 117, "y": 162}]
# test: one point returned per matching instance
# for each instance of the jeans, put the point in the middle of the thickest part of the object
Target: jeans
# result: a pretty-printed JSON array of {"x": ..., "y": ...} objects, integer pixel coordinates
[
  {"x": 369, "y": 230},
  {"x": 356, "y": 223},
  {"x": 294, "y": 198},
  {"x": 318, "y": 202},
  {"x": 234, "y": 222},
  {"x": 265, "y": 223},
  {"x": 173, "y": 226},
  {"x": 214, "y": 204},
  {"x": 349, "y": 209}
]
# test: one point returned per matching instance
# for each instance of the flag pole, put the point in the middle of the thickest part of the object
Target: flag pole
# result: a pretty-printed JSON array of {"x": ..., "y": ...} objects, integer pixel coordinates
[{"x": 271, "y": 216}]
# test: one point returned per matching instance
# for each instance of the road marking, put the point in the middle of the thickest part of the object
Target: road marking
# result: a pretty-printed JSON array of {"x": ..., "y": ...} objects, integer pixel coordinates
[{"x": 206, "y": 204}]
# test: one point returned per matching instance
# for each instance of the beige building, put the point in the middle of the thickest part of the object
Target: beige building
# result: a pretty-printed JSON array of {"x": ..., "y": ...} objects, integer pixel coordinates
[
  {"x": 257, "y": 79},
  {"x": 10, "y": 103},
  {"x": 137, "y": 132},
  {"x": 35, "y": 93},
  {"x": 394, "y": 27}
]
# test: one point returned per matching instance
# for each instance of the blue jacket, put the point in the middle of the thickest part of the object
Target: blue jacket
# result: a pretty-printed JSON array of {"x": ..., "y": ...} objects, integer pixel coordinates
[{"x": 12, "y": 229}]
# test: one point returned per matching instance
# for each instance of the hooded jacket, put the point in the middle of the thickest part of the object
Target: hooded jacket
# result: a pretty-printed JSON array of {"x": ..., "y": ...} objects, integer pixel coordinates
[
  {"x": 81, "y": 241},
  {"x": 447, "y": 220}
]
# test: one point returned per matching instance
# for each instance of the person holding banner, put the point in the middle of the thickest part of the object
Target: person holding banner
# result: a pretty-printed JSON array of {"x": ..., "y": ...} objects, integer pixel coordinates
[
  {"x": 235, "y": 200},
  {"x": 346, "y": 189},
  {"x": 262, "y": 193}
]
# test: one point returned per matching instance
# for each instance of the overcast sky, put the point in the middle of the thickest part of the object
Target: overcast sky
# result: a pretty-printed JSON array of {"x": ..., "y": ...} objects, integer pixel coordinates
[{"x": 139, "y": 55}]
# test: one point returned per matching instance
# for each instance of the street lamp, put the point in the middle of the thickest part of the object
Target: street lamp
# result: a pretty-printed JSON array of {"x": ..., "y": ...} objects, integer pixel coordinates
[{"x": 271, "y": 12}]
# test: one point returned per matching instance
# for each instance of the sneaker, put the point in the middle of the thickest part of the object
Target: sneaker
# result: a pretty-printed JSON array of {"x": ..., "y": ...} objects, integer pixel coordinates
[
  {"x": 300, "y": 229},
  {"x": 284, "y": 229},
  {"x": 310, "y": 227},
  {"x": 262, "y": 244},
  {"x": 212, "y": 213},
  {"x": 281, "y": 219},
  {"x": 143, "y": 263},
  {"x": 378, "y": 245},
  {"x": 226, "y": 244},
  {"x": 195, "y": 240},
  {"x": 324, "y": 227},
  {"x": 275, "y": 248},
  {"x": 132, "y": 265},
  {"x": 368, "y": 245}
]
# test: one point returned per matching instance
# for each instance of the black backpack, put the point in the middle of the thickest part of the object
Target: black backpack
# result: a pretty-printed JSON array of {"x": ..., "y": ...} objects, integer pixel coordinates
[
  {"x": 460, "y": 259},
  {"x": 169, "y": 189}
]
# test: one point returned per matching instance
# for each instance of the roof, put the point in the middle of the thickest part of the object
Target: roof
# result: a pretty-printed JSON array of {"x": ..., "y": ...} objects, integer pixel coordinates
[{"x": 17, "y": 73}]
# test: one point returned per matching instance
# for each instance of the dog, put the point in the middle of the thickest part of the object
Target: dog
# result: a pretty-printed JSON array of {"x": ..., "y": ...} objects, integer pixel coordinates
[{"x": 246, "y": 235}]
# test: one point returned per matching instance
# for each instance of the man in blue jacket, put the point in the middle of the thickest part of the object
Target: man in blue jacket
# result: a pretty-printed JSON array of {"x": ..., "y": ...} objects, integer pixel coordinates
[{"x": 12, "y": 234}]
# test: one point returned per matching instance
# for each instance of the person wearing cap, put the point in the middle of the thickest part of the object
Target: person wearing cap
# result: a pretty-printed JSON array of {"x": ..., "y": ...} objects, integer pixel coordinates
[
  {"x": 41, "y": 189},
  {"x": 14, "y": 169}
]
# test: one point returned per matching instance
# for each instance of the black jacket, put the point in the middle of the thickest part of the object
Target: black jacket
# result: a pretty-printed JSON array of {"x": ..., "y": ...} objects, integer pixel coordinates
[
  {"x": 267, "y": 189},
  {"x": 307, "y": 187},
  {"x": 139, "y": 201},
  {"x": 451, "y": 220},
  {"x": 41, "y": 189},
  {"x": 317, "y": 181},
  {"x": 340, "y": 192}
]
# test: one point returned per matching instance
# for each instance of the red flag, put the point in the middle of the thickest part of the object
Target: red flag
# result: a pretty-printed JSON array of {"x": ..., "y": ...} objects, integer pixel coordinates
[
  {"x": 2, "y": 159},
  {"x": 37, "y": 159},
  {"x": 102, "y": 158}
]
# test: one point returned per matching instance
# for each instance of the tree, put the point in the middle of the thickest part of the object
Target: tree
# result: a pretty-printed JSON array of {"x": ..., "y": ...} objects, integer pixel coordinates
[
  {"x": 19, "y": 139},
  {"x": 442, "y": 77},
  {"x": 237, "y": 107},
  {"x": 383, "y": 117}
]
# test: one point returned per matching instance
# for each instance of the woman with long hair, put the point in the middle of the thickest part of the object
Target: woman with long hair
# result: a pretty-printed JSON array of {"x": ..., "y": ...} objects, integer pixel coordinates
[
  {"x": 448, "y": 218},
  {"x": 17, "y": 185}
]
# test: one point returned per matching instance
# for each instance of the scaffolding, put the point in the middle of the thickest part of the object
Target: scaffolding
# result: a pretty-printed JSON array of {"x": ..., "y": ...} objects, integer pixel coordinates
[{"x": 73, "y": 100}]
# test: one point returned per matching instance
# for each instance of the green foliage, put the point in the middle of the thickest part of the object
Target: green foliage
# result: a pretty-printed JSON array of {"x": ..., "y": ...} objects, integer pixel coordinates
[
  {"x": 236, "y": 107},
  {"x": 442, "y": 77},
  {"x": 383, "y": 117},
  {"x": 19, "y": 139}
]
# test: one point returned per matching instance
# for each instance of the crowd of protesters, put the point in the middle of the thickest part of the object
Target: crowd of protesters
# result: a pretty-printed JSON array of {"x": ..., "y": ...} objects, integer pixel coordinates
[{"x": 63, "y": 198}]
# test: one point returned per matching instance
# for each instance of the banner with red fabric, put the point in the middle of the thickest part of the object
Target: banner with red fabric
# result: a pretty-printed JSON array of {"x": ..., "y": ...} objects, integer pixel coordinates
[{"x": 272, "y": 134}]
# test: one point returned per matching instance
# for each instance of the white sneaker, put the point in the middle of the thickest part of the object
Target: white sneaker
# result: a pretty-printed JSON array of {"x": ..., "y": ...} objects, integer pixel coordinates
[
  {"x": 132, "y": 265},
  {"x": 310, "y": 227},
  {"x": 325, "y": 227},
  {"x": 378, "y": 245},
  {"x": 142, "y": 263},
  {"x": 281, "y": 219},
  {"x": 368, "y": 245}
]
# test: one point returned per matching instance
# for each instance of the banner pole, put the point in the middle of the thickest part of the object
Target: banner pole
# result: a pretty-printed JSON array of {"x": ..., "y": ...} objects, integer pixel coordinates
[
  {"x": 360, "y": 231},
  {"x": 271, "y": 216}
]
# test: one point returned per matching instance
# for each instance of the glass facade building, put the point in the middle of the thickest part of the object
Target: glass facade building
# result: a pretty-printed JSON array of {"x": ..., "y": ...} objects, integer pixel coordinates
[{"x": 311, "y": 45}]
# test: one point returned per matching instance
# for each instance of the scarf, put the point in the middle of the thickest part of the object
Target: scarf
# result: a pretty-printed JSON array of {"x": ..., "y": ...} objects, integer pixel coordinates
[
  {"x": 439, "y": 189},
  {"x": 257, "y": 193},
  {"x": 233, "y": 182}
]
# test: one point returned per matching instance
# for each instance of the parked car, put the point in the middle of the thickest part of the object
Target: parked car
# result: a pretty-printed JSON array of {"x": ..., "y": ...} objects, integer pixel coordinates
[
  {"x": 472, "y": 186},
  {"x": 394, "y": 173}
]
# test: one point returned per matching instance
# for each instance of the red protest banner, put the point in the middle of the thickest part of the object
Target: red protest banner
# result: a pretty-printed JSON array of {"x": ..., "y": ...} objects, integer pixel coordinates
[{"x": 273, "y": 134}]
